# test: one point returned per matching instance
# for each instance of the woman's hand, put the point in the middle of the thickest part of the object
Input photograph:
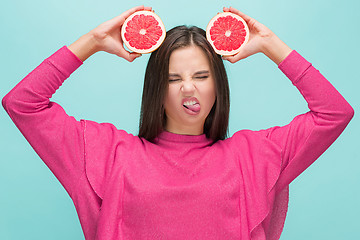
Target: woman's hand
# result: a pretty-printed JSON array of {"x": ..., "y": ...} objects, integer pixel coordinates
[
  {"x": 261, "y": 39},
  {"x": 106, "y": 37}
]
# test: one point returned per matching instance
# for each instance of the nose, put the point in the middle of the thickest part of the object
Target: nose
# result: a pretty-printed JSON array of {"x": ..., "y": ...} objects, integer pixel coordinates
[{"x": 188, "y": 87}]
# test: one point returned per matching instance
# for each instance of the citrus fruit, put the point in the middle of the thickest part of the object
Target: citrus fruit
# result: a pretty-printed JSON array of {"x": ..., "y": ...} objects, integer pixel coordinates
[
  {"x": 143, "y": 32},
  {"x": 227, "y": 32}
]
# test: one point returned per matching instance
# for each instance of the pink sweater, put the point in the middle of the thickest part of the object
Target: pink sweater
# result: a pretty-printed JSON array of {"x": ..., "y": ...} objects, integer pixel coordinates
[{"x": 182, "y": 187}]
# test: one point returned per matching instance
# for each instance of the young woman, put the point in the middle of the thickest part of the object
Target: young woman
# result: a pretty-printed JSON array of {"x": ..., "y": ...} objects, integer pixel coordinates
[{"x": 181, "y": 177}]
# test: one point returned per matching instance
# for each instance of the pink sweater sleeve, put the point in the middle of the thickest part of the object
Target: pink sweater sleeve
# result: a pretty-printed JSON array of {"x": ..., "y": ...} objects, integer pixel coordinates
[
  {"x": 270, "y": 159},
  {"x": 56, "y": 137},
  {"x": 308, "y": 135}
]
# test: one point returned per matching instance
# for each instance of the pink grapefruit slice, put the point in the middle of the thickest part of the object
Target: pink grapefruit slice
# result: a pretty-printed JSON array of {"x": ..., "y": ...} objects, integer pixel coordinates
[
  {"x": 143, "y": 32},
  {"x": 227, "y": 33}
]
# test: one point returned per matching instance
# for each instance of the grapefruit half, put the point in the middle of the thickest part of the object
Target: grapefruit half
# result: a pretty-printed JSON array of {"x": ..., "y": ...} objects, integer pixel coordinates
[
  {"x": 227, "y": 32},
  {"x": 143, "y": 32}
]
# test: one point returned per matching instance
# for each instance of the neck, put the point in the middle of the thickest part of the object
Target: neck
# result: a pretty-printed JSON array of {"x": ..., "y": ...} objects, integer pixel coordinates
[{"x": 185, "y": 130}]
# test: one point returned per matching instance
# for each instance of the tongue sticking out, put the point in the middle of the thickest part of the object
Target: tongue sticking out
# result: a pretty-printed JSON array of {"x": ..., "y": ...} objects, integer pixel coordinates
[{"x": 194, "y": 108}]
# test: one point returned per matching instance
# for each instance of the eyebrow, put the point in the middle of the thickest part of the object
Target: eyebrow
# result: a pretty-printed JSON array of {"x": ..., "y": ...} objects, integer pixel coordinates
[{"x": 197, "y": 73}]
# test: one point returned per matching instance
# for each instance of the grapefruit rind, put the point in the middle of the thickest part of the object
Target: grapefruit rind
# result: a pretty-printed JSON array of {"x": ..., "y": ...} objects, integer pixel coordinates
[
  {"x": 153, "y": 47},
  {"x": 211, "y": 24}
]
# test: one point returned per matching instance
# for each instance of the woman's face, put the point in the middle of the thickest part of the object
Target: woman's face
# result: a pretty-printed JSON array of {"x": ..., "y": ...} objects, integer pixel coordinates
[{"x": 191, "y": 92}]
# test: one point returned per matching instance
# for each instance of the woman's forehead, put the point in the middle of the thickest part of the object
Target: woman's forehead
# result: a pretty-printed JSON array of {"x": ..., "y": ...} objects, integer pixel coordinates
[{"x": 188, "y": 59}]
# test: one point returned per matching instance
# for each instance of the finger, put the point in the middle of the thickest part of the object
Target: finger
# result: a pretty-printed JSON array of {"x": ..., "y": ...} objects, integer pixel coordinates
[
  {"x": 119, "y": 20},
  {"x": 241, "y": 14},
  {"x": 132, "y": 56},
  {"x": 225, "y": 9},
  {"x": 135, "y": 55},
  {"x": 132, "y": 10},
  {"x": 123, "y": 54},
  {"x": 129, "y": 56},
  {"x": 233, "y": 58},
  {"x": 148, "y": 9},
  {"x": 229, "y": 58}
]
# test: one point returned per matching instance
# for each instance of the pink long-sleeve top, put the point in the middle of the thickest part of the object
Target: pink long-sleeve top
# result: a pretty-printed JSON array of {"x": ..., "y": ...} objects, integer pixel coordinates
[{"x": 180, "y": 186}]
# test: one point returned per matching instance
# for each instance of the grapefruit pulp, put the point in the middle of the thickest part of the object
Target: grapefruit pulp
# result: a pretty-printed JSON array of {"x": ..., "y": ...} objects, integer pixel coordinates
[
  {"x": 143, "y": 32},
  {"x": 227, "y": 32}
]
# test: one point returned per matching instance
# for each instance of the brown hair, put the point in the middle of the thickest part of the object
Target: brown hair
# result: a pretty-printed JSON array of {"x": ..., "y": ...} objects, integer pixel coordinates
[{"x": 152, "y": 116}]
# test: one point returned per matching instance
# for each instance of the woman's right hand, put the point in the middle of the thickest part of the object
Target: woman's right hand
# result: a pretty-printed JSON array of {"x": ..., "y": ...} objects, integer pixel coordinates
[{"x": 108, "y": 35}]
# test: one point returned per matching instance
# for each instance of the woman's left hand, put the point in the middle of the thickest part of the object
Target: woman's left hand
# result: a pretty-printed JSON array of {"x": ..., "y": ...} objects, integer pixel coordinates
[{"x": 261, "y": 39}]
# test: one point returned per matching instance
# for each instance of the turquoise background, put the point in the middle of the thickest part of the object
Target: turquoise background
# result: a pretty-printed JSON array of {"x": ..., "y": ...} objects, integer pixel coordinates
[{"x": 324, "y": 200}]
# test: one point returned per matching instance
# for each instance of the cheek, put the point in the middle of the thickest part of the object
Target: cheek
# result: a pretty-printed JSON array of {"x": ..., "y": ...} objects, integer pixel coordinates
[
  {"x": 170, "y": 98},
  {"x": 210, "y": 93}
]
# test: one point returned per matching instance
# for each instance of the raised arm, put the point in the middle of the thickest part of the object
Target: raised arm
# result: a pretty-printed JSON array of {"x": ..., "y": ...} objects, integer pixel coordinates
[
  {"x": 308, "y": 135},
  {"x": 56, "y": 137}
]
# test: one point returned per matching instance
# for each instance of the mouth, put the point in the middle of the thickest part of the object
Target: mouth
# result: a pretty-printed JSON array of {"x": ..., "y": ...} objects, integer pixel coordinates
[{"x": 192, "y": 105}]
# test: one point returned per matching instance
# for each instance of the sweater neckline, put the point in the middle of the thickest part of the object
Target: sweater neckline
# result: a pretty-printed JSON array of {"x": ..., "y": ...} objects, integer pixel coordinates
[{"x": 183, "y": 138}]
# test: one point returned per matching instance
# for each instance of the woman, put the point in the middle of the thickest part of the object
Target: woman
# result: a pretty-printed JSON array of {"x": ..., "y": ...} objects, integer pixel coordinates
[{"x": 181, "y": 178}]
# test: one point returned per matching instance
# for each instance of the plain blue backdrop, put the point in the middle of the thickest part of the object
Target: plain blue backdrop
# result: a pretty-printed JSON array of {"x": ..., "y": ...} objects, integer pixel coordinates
[{"x": 324, "y": 200}]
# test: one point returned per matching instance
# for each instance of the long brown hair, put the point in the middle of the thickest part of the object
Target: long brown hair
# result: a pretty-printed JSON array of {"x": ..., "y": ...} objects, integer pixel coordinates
[{"x": 152, "y": 116}]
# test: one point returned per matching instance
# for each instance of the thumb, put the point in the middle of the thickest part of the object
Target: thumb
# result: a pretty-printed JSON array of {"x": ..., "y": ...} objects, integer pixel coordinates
[
  {"x": 134, "y": 55},
  {"x": 232, "y": 59},
  {"x": 237, "y": 57},
  {"x": 131, "y": 56}
]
